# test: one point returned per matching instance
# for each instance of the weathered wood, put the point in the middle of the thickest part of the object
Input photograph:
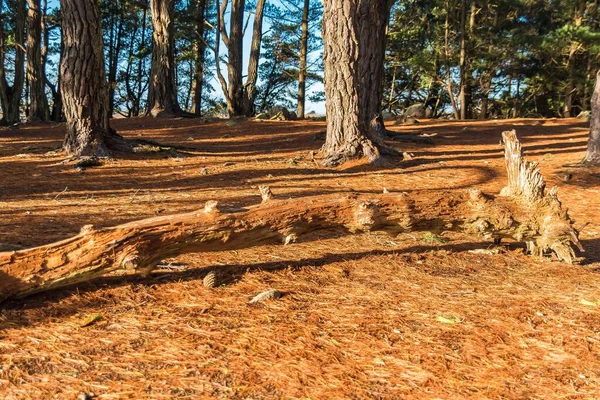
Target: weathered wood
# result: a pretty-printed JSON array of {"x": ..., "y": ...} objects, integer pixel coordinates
[
  {"x": 553, "y": 229},
  {"x": 524, "y": 213}
]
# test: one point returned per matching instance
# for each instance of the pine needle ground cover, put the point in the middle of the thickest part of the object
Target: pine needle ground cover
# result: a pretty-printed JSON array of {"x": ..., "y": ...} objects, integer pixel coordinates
[{"x": 420, "y": 315}]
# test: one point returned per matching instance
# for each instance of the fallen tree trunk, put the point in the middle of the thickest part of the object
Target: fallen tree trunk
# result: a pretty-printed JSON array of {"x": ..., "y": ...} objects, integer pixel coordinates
[{"x": 524, "y": 212}]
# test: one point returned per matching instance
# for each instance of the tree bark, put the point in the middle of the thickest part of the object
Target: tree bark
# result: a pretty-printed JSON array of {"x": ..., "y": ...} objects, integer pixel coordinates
[
  {"x": 200, "y": 50},
  {"x": 593, "y": 151},
  {"x": 137, "y": 109},
  {"x": 527, "y": 213},
  {"x": 11, "y": 95},
  {"x": 240, "y": 96},
  {"x": 250, "y": 84},
  {"x": 303, "y": 61},
  {"x": 448, "y": 83},
  {"x": 462, "y": 96},
  {"x": 354, "y": 46},
  {"x": 38, "y": 102},
  {"x": 234, "y": 91},
  {"x": 571, "y": 87},
  {"x": 114, "y": 54},
  {"x": 83, "y": 84},
  {"x": 162, "y": 93}
]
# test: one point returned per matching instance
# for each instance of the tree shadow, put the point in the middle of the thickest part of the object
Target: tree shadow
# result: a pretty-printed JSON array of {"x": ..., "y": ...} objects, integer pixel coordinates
[{"x": 592, "y": 252}]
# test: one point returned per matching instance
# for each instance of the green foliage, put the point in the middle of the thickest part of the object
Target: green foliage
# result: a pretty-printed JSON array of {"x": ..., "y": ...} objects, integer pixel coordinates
[
  {"x": 518, "y": 55},
  {"x": 280, "y": 64}
]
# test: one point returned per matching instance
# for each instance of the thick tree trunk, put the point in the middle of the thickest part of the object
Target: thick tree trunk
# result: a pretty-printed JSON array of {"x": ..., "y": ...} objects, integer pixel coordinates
[
  {"x": 11, "y": 95},
  {"x": 38, "y": 103},
  {"x": 162, "y": 93},
  {"x": 593, "y": 151},
  {"x": 83, "y": 84},
  {"x": 354, "y": 46},
  {"x": 200, "y": 49},
  {"x": 303, "y": 61},
  {"x": 526, "y": 213}
]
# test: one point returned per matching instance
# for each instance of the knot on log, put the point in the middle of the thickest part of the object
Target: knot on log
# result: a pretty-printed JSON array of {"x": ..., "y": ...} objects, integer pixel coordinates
[
  {"x": 130, "y": 262},
  {"x": 86, "y": 229},
  {"x": 365, "y": 216},
  {"x": 476, "y": 194},
  {"x": 265, "y": 193},
  {"x": 290, "y": 238},
  {"x": 211, "y": 206}
]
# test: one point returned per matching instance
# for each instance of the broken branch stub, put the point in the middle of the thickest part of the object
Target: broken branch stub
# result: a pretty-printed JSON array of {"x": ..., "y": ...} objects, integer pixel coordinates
[{"x": 525, "y": 213}]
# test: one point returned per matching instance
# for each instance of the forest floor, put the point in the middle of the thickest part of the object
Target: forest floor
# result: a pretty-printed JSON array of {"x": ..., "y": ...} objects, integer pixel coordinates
[{"x": 367, "y": 316}]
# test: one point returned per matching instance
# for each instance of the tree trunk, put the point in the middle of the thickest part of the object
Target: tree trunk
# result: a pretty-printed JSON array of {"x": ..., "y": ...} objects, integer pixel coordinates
[
  {"x": 526, "y": 213},
  {"x": 200, "y": 49},
  {"x": 448, "y": 83},
  {"x": 240, "y": 96},
  {"x": 303, "y": 62},
  {"x": 57, "y": 105},
  {"x": 571, "y": 88},
  {"x": 250, "y": 85},
  {"x": 354, "y": 46},
  {"x": 593, "y": 151},
  {"x": 462, "y": 96},
  {"x": 162, "y": 93},
  {"x": 137, "y": 101},
  {"x": 38, "y": 103},
  {"x": 235, "y": 49},
  {"x": 10, "y": 95},
  {"x": 113, "y": 62},
  {"x": 83, "y": 84}
]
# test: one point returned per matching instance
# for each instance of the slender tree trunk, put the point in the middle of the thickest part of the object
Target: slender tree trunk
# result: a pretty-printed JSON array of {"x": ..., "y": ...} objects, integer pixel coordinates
[
  {"x": 138, "y": 98},
  {"x": 113, "y": 64},
  {"x": 250, "y": 85},
  {"x": 571, "y": 87},
  {"x": 462, "y": 96},
  {"x": 269, "y": 86},
  {"x": 200, "y": 49},
  {"x": 11, "y": 95},
  {"x": 303, "y": 61},
  {"x": 354, "y": 46},
  {"x": 57, "y": 104},
  {"x": 235, "y": 48},
  {"x": 83, "y": 83},
  {"x": 593, "y": 151},
  {"x": 240, "y": 96},
  {"x": 448, "y": 83},
  {"x": 392, "y": 89},
  {"x": 515, "y": 108},
  {"x": 162, "y": 93},
  {"x": 38, "y": 103},
  {"x": 484, "y": 104}
]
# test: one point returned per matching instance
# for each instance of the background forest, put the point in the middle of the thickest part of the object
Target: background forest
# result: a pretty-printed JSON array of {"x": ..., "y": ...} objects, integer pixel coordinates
[{"x": 461, "y": 58}]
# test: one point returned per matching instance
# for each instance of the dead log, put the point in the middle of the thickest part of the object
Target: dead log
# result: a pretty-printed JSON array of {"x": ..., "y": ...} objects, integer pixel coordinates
[{"x": 524, "y": 212}]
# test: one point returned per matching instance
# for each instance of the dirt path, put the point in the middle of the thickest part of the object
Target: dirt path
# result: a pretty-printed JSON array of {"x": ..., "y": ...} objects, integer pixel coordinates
[{"x": 367, "y": 316}]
